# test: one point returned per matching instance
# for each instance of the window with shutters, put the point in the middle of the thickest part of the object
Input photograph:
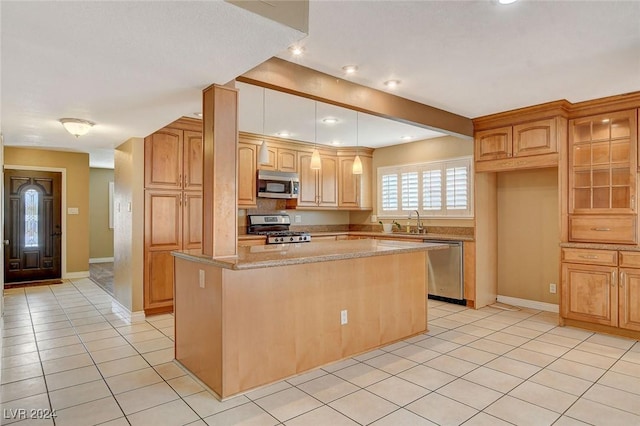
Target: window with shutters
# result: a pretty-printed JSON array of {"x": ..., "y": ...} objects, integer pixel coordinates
[{"x": 435, "y": 189}]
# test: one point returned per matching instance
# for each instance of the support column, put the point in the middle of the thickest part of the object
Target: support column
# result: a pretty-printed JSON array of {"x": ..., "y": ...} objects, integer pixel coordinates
[{"x": 219, "y": 192}]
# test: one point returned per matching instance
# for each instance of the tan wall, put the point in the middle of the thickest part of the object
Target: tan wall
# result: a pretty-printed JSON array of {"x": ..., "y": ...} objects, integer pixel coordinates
[
  {"x": 100, "y": 235},
  {"x": 128, "y": 270},
  {"x": 417, "y": 152},
  {"x": 528, "y": 234},
  {"x": 77, "y": 192}
]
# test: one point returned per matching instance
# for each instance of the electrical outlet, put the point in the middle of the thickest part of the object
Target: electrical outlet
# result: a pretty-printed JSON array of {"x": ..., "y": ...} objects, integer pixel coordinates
[
  {"x": 343, "y": 317},
  {"x": 201, "y": 277},
  {"x": 298, "y": 218},
  {"x": 552, "y": 288}
]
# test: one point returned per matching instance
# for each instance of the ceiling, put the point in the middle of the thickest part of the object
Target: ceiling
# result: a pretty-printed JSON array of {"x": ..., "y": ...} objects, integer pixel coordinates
[{"x": 133, "y": 67}]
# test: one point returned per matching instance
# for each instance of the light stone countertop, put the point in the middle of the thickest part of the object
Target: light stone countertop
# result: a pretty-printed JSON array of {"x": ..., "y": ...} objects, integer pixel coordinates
[
  {"x": 398, "y": 235},
  {"x": 270, "y": 255},
  {"x": 601, "y": 246}
]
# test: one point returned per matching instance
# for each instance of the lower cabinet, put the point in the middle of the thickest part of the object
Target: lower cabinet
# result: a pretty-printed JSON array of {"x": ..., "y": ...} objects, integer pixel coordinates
[{"x": 601, "y": 287}]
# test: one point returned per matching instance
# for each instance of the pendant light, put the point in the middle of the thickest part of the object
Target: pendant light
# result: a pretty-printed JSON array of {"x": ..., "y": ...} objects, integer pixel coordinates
[
  {"x": 357, "y": 163},
  {"x": 315, "y": 156},
  {"x": 263, "y": 154}
]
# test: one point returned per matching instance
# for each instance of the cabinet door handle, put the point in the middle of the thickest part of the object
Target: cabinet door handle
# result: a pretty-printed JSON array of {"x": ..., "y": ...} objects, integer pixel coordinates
[
  {"x": 588, "y": 256},
  {"x": 601, "y": 229},
  {"x": 180, "y": 178},
  {"x": 613, "y": 278},
  {"x": 186, "y": 179},
  {"x": 623, "y": 278},
  {"x": 633, "y": 202}
]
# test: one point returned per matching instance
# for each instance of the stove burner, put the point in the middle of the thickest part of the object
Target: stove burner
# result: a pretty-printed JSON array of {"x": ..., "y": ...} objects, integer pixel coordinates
[{"x": 276, "y": 229}]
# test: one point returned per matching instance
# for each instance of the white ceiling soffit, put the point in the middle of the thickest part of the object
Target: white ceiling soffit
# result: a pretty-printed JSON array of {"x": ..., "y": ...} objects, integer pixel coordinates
[
  {"x": 475, "y": 58},
  {"x": 131, "y": 67},
  {"x": 297, "y": 116}
]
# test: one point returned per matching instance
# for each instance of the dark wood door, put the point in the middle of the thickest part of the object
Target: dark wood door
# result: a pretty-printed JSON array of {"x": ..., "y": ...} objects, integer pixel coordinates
[{"x": 32, "y": 227}]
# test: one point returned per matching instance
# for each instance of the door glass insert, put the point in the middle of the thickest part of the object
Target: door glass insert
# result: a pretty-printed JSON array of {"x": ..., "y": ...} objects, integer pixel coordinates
[{"x": 31, "y": 218}]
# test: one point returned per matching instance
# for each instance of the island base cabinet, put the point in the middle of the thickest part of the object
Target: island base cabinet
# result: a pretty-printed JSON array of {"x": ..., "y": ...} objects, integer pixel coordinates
[{"x": 240, "y": 329}]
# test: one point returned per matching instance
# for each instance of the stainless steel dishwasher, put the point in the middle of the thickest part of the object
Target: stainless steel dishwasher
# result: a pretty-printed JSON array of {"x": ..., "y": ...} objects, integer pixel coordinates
[{"x": 445, "y": 273}]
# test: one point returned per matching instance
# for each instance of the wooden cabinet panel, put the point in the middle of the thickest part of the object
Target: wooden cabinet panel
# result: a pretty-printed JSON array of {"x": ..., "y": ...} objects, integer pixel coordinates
[
  {"x": 192, "y": 220},
  {"x": 354, "y": 190},
  {"x": 493, "y": 144},
  {"x": 603, "y": 229},
  {"x": 535, "y": 138},
  {"x": 328, "y": 181},
  {"x": 629, "y": 259},
  {"x": 247, "y": 169},
  {"x": 629, "y": 299},
  {"x": 158, "y": 291},
  {"x": 308, "y": 196},
  {"x": 287, "y": 160},
  {"x": 163, "y": 220},
  {"x": 163, "y": 159},
  {"x": 590, "y": 257},
  {"x": 589, "y": 293},
  {"x": 192, "y": 161}
]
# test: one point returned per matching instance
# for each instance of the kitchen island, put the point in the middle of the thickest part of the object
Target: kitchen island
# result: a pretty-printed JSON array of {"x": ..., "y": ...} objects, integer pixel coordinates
[{"x": 275, "y": 311}]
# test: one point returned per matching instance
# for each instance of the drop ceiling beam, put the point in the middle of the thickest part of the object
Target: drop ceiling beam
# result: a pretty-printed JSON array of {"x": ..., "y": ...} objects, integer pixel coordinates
[{"x": 278, "y": 74}]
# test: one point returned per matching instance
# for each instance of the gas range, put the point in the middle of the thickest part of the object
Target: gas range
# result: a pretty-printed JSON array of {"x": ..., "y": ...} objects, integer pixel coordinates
[{"x": 276, "y": 228}]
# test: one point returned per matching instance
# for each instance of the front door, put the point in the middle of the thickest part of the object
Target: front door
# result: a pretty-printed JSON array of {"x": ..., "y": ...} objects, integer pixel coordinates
[{"x": 32, "y": 229}]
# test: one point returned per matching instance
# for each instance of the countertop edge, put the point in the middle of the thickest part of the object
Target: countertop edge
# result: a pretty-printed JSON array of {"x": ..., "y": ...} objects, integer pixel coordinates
[
  {"x": 228, "y": 262},
  {"x": 601, "y": 246}
]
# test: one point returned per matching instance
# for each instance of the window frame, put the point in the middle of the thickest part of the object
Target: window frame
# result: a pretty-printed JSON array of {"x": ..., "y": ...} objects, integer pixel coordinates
[{"x": 442, "y": 165}]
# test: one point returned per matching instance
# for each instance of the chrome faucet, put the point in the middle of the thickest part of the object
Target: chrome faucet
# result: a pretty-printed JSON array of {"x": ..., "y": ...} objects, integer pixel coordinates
[{"x": 419, "y": 222}]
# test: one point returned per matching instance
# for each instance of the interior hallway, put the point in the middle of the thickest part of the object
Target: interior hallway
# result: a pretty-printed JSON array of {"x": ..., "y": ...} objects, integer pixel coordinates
[{"x": 64, "y": 348}]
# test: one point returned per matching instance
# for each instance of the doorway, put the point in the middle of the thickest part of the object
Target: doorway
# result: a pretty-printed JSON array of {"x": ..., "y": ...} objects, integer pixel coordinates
[{"x": 32, "y": 227}]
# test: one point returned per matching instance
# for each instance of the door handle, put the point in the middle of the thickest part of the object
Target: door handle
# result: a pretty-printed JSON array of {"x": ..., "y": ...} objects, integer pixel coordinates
[
  {"x": 56, "y": 234},
  {"x": 6, "y": 242}
]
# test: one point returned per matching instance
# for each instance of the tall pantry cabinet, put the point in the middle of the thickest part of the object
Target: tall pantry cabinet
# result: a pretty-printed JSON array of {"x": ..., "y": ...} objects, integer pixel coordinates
[{"x": 173, "y": 206}]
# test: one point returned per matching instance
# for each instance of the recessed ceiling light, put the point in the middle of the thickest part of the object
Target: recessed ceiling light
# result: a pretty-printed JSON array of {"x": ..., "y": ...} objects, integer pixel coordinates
[
  {"x": 330, "y": 120},
  {"x": 336, "y": 143},
  {"x": 283, "y": 134},
  {"x": 391, "y": 84},
  {"x": 506, "y": 1},
  {"x": 406, "y": 138},
  {"x": 198, "y": 114},
  {"x": 350, "y": 69},
  {"x": 296, "y": 50}
]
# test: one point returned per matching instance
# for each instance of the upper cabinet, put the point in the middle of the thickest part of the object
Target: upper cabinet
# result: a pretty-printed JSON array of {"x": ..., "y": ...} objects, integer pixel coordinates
[
  {"x": 173, "y": 159},
  {"x": 247, "y": 157},
  {"x": 522, "y": 139},
  {"x": 318, "y": 188},
  {"x": 603, "y": 166},
  {"x": 281, "y": 159},
  {"x": 354, "y": 191}
]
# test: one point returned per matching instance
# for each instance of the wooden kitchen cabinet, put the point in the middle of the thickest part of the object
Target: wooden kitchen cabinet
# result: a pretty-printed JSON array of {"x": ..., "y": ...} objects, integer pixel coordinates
[
  {"x": 521, "y": 145},
  {"x": 354, "y": 190},
  {"x": 173, "y": 206},
  {"x": 601, "y": 287},
  {"x": 318, "y": 188},
  {"x": 247, "y": 169},
  {"x": 603, "y": 163},
  {"x": 281, "y": 159},
  {"x": 173, "y": 159}
]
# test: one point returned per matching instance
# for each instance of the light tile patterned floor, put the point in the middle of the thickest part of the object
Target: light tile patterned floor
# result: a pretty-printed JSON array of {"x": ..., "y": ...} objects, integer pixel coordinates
[{"x": 64, "y": 348}]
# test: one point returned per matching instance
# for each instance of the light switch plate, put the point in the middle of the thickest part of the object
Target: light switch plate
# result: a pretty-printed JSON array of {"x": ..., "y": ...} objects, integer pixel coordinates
[{"x": 73, "y": 210}]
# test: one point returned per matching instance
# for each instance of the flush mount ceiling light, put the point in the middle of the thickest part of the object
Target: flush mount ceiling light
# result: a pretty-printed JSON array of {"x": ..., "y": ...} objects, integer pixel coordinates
[
  {"x": 506, "y": 1},
  {"x": 406, "y": 138},
  {"x": 392, "y": 84},
  {"x": 330, "y": 120},
  {"x": 76, "y": 126},
  {"x": 283, "y": 134},
  {"x": 198, "y": 114},
  {"x": 336, "y": 143},
  {"x": 350, "y": 69},
  {"x": 296, "y": 50}
]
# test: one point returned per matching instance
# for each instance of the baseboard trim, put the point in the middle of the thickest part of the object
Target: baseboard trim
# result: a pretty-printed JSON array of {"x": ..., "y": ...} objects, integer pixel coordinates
[
  {"x": 526, "y": 303},
  {"x": 118, "y": 308},
  {"x": 101, "y": 260},
  {"x": 76, "y": 275}
]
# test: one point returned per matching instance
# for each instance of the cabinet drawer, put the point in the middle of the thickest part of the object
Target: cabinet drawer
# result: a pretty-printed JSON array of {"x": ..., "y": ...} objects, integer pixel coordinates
[
  {"x": 603, "y": 229},
  {"x": 629, "y": 259},
  {"x": 592, "y": 257}
]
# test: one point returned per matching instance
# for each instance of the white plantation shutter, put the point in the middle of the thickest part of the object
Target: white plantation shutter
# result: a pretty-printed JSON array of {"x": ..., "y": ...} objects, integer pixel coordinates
[
  {"x": 435, "y": 189},
  {"x": 410, "y": 191},
  {"x": 432, "y": 190},
  {"x": 457, "y": 192},
  {"x": 389, "y": 192}
]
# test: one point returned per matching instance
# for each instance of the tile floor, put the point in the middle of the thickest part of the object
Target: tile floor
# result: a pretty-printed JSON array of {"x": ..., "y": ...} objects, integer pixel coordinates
[{"x": 65, "y": 349}]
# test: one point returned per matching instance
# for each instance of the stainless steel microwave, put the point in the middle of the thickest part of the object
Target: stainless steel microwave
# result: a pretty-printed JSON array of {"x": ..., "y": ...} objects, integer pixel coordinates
[{"x": 278, "y": 184}]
